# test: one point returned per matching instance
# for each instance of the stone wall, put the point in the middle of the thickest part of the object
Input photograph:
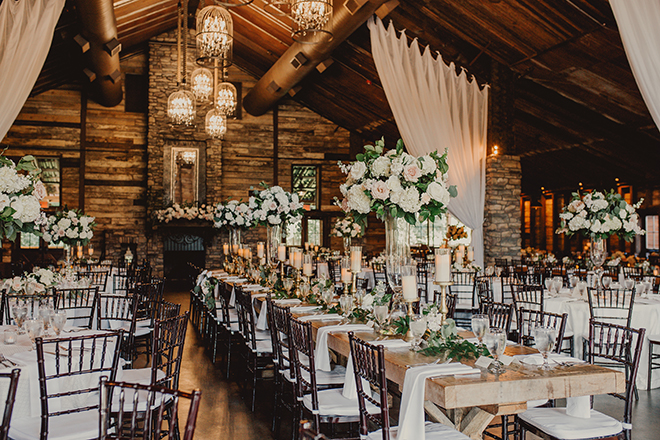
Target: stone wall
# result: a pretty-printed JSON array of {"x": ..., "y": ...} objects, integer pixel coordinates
[{"x": 502, "y": 238}]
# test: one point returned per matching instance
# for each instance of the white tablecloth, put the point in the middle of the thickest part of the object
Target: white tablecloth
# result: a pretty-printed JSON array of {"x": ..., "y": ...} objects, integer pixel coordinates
[{"x": 646, "y": 314}]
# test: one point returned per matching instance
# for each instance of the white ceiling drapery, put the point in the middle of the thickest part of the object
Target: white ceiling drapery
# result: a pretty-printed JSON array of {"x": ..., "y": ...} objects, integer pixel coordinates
[
  {"x": 26, "y": 32},
  {"x": 639, "y": 27},
  {"x": 434, "y": 109}
]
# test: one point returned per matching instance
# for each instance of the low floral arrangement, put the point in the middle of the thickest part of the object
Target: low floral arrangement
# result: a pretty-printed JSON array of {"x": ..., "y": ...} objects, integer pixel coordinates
[
  {"x": 233, "y": 214},
  {"x": 69, "y": 226},
  {"x": 185, "y": 212},
  {"x": 273, "y": 206},
  {"x": 38, "y": 281},
  {"x": 568, "y": 261},
  {"x": 443, "y": 340},
  {"x": 20, "y": 194},
  {"x": 600, "y": 215},
  {"x": 206, "y": 287},
  {"x": 347, "y": 227},
  {"x": 396, "y": 183}
]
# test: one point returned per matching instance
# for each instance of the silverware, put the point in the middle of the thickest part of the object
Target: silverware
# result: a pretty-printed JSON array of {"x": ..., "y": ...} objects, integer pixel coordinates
[{"x": 4, "y": 361}]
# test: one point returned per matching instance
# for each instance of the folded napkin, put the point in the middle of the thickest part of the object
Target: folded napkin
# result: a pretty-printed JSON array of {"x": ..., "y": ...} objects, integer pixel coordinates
[
  {"x": 321, "y": 353},
  {"x": 323, "y": 317},
  {"x": 254, "y": 288},
  {"x": 411, "y": 412},
  {"x": 287, "y": 302},
  {"x": 262, "y": 321},
  {"x": 304, "y": 309},
  {"x": 232, "y": 298},
  {"x": 259, "y": 295},
  {"x": 350, "y": 381}
]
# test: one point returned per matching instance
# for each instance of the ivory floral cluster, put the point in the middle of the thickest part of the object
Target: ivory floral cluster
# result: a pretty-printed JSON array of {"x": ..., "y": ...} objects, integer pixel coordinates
[
  {"x": 20, "y": 194},
  {"x": 347, "y": 227},
  {"x": 600, "y": 215},
  {"x": 69, "y": 226},
  {"x": 38, "y": 281},
  {"x": 233, "y": 214},
  {"x": 177, "y": 211},
  {"x": 274, "y": 206},
  {"x": 396, "y": 183}
]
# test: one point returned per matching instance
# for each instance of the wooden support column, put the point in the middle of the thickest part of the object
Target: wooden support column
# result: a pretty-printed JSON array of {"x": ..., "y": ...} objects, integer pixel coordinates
[
  {"x": 83, "y": 148},
  {"x": 276, "y": 146}
]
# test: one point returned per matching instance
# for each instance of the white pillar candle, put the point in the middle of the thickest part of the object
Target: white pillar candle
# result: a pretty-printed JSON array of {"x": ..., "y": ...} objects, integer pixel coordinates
[
  {"x": 442, "y": 266},
  {"x": 262, "y": 261},
  {"x": 470, "y": 254},
  {"x": 307, "y": 269},
  {"x": 260, "y": 250},
  {"x": 356, "y": 259},
  {"x": 281, "y": 253},
  {"x": 225, "y": 248},
  {"x": 316, "y": 248},
  {"x": 345, "y": 275},
  {"x": 409, "y": 283},
  {"x": 234, "y": 248},
  {"x": 297, "y": 259}
]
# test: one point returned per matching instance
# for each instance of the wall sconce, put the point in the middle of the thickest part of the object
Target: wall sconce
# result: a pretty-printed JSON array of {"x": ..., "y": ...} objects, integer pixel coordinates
[{"x": 496, "y": 150}]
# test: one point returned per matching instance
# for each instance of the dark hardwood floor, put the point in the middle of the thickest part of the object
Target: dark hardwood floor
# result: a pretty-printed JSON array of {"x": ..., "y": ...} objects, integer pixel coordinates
[{"x": 224, "y": 414}]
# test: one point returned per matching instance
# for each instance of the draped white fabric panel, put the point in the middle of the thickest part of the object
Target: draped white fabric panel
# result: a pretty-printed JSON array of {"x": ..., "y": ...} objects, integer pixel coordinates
[
  {"x": 436, "y": 109},
  {"x": 26, "y": 31},
  {"x": 639, "y": 26}
]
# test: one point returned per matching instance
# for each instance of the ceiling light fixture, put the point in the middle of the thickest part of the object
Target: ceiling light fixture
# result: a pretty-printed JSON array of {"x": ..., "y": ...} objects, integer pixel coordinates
[
  {"x": 215, "y": 37},
  {"x": 201, "y": 83},
  {"x": 312, "y": 21},
  {"x": 181, "y": 104}
]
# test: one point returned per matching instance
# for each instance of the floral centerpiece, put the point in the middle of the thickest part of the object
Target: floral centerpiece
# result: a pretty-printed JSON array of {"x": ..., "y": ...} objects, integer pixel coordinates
[
  {"x": 396, "y": 183},
  {"x": 38, "y": 281},
  {"x": 346, "y": 228},
  {"x": 184, "y": 212},
  {"x": 600, "y": 215},
  {"x": 20, "y": 194},
  {"x": 233, "y": 214},
  {"x": 597, "y": 216},
  {"x": 69, "y": 226}
]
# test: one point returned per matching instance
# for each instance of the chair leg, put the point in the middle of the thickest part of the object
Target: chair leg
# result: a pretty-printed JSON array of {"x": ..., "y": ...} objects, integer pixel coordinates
[
  {"x": 505, "y": 427},
  {"x": 650, "y": 366}
]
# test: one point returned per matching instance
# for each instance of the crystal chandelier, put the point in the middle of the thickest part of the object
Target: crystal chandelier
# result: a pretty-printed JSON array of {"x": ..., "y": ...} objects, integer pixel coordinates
[
  {"x": 311, "y": 20},
  {"x": 226, "y": 99},
  {"x": 215, "y": 37},
  {"x": 181, "y": 104},
  {"x": 277, "y": 7},
  {"x": 216, "y": 124},
  {"x": 233, "y": 3},
  {"x": 201, "y": 82}
]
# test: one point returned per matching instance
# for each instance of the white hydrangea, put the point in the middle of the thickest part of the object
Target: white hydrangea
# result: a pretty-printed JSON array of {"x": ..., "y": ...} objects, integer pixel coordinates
[
  {"x": 381, "y": 167},
  {"x": 358, "y": 200}
]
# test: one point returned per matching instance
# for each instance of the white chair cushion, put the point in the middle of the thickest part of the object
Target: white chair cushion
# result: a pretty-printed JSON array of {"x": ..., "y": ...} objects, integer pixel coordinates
[
  {"x": 142, "y": 331},
  {"x": 77, "y": 426},
  {"x": 556, "y": 422},
  {"x": 323, "y": 378},
  {"x": 262, "y": 335},
  {"x": 432, "y": 431},
  {"x": 234, "y": 327},
  {"x": 568, "y": 334},
  {"x": 141, "y": 376},
  {"x": 333, "y": 403},
  {"x": 264, "y": 347},
  {"x": 654, "y": 338}
]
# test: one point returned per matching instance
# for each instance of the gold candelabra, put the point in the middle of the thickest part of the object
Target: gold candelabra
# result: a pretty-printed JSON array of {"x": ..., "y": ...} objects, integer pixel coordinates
[{"x": 443, "y": 298}]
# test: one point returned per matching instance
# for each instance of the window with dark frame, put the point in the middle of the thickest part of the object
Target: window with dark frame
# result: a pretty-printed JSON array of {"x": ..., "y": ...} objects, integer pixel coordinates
[
  {"x": 305, "y": 182},
  {"x": 652, "y": 232}
]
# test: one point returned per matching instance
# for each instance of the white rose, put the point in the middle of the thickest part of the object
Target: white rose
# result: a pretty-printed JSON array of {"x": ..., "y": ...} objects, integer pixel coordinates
[
  {"x": 380, "y": 190},
  {"x": 428, "y": 164},
  {"x": 438, "y": 193},
  {"x": 358, "y": 200},
  {"x": 426, "y": 198},
  {"x": 4, "y": 201},
  {"x": 409, "y": 201},
  {"x": 64, "y": 223},
  {"x": 394, "y": 184},
  {"x": 381, "y": 167},
  {"x": 357, "y": 170},
  {"x": 27, "y": 208},
  {"x": 274, "y": 220}
]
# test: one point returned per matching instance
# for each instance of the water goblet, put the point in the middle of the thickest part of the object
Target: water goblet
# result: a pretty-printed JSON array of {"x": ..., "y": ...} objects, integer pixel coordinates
[
  {"x": 346, "y": 305},
  {"x": 548, "y": 284},
  {"x": 417, "y": 330},
  {"x": 380, "y": 314},
  {"x": 304, "y": 289},
  {"x": 582, "y": 287},
  {"x": 480, "y": 324},
  {"x": 58, "y": 321},
  {"x": 606, "y": 282},
  {"x": 544, "y": 341},
  {"x": 327, "y": 294},
  {"x": 44, "y": 313},
  {"x": 629, "y": 283},
  {"x": 557, "y": 284},
  {"x": 35, "y": 329},
  {"x": 19, "y": 313},
  {"x": 288, "y": 284},
  {"x": 495, "y": 341},
  {"x": 573, "y": 280}
]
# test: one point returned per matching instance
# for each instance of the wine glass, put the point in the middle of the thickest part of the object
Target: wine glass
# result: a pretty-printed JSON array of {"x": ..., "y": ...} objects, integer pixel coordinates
[
  {"x": 417, "y": 330},
  {"x": 287, "y": 283},
  {"x": 327, "y": 294},
  {"x": 544, "y": 341},
  {"x": 557, "y": 284},
  {"x": 35, "y": 329},
  {"x": 44, "y": 313},
  {"x": 629, "y": 283},
  {"x": 304, "y": 289},
  {"x": 582, "y": 287},
  {"x": 495, "y": 341},
  {"x": 480, "y": 324},
  {"x": 548, "y": 284},
  {"x": 394, "y": 274},
  {"x": 380, "y": 314},
  {"x": 573, "y": 280},
  {"x": 19, "y": 313},
  {"x": 58, "y": 321},
  {"x": 606, "y": 282},
  {"x": 346, "y": 305}
]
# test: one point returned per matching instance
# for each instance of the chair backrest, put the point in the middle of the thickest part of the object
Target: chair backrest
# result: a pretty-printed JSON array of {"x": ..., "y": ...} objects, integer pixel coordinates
[
  {"x": 80, "y": 361},
  {"x": 334, "y": 269},
  {"x": 222, "y": 305},
  {"x": 9, "y": 402},
  {"x": 463, "y": 288},
  {"x": 149, "y": 296},
  {"x": 451, "y": 304},
  {"x": 167, "y": 350},
  {"x": 122, "y": 283},
  {"x": 636, "y": 273},
  {"x": 529, "y": 319},
  {"x": 168, "y": 310},
  {"x": 611, "y": 305},
  {"x": 32, "y": 302},
  {"x": 301, "y": 348},
  {"x": 279, "y": 321},
  {"x": 379, "y": 273},
  {"x": 623, "y": 346},
  {"x": 499, "y": 314},
  {"x": 528, "y": 296},
  {"x": 118, "y": 312},
  {"x": 79, "y": 304},
  {"x": 123, "y": 415},
  {"x": 369, "y": 366},
  {"x": 423, "y": 279},
  {"x": 97, "y": 278},
  {"x": 484, "y": 288},
  {"x": 246, "y": 322},
  {"x": 535, "y": 278}
]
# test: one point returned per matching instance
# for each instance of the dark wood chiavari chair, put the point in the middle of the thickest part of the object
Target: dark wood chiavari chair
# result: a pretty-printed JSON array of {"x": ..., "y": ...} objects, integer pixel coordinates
[
  {"x": 118, "y": 312},
  {"x": 124, "y": 415},
  {"x": 528, "y": 296},
  {"x": 79, "y": 305},
  {"x": 97, "y": 278},
  {"x": 499, "y": 314},
  {"x": 529, "y": 319},
  {"x": 9, "y": 401}
]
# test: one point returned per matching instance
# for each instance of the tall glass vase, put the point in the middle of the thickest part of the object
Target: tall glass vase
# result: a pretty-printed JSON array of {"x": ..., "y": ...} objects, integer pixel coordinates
[
  {"x": 347, "y": 245},
  {"x": 67, "y": 253},
  {"x": 234, "y": 240},
  {"x": 273, "y": 240},
  {"x": 397, "y": 237},
  {"x": 598, "y": 252}
]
